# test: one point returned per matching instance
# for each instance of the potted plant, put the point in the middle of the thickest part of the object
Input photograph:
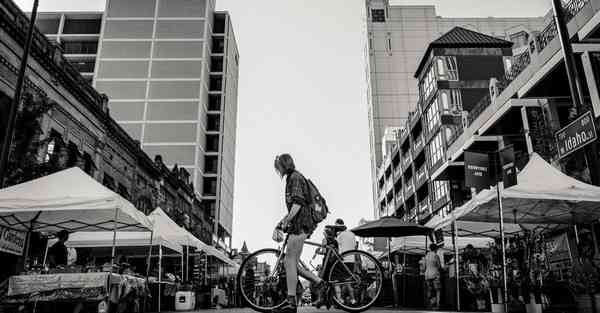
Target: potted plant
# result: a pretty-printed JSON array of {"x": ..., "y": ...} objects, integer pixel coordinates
[
  {"x": 585, "y": 283},
  {"x": 478, "y": 285}
]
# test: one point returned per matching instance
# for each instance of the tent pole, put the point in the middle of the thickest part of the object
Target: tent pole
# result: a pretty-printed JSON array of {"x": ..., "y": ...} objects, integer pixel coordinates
[
  {"x": 392, "y": 274},
  {"x": 404, "y": 277},
  {"x": 576, "y": 233},
  {"x": 182, "y": 274},
  {"x": 114, "y": 242},
  {"x": 499, "y": 187},
  {"x": 46, "y": 253},
  {"x": 159, "y": 274},
  {"x": 148, "y": 268},
  {"x": 187, "y": 264},
  {"x": 28, "y": 238},
  {"x": 456, "y": 265}
]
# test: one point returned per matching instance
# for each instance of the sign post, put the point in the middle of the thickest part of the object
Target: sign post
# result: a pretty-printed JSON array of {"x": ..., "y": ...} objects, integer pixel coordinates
[
  {"x": 576, "y": 135},
  {"x": 481, "y": 171}
]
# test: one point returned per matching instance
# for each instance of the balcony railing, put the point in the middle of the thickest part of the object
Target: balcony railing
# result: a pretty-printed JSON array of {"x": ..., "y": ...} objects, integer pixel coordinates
[
  {"x": 573, "y": 7},
  {"x": 547, "y": 35},
  {"x": 398, "y": 172}
]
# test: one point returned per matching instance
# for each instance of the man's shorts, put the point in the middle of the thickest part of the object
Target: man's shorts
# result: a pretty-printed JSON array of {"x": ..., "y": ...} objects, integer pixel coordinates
[{"x": 434, "y": 283}]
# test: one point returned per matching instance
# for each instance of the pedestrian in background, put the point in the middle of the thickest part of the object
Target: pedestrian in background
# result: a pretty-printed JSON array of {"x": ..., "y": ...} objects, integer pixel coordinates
[{"x": 433, "y": 266}]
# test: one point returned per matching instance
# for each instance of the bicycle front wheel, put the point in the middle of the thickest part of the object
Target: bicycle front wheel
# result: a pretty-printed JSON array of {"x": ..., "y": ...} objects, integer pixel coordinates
[
  {"x": 357, "y": 279},
  {"x": 261, "y": 280}
]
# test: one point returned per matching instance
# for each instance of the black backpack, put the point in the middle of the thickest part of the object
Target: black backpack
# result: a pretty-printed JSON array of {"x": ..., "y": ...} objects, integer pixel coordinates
[{"x": 316, "y": 203}]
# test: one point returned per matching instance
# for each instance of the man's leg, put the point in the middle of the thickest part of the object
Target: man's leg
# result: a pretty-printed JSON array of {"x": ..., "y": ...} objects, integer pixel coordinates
[{"x": 292, "y": 257}]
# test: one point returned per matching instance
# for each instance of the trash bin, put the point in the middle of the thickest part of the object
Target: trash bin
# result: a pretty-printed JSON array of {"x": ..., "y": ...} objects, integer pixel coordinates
[{"x": 185, "y": 301}]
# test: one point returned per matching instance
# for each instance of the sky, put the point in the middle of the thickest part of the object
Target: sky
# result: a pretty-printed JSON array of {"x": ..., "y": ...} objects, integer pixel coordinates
[{"x": 302, "y": 90}]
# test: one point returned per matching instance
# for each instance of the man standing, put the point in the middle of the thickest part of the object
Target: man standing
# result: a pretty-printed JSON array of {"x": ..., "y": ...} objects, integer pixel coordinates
[
  {"x": 346, "y": 242},
  {"x": 58, "y": 254},
  {"x": 432, "y": 274}
]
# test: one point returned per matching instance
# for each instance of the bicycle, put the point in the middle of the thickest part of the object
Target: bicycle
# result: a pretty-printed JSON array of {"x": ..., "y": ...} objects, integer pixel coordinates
[{"x": 355, "y": 277}]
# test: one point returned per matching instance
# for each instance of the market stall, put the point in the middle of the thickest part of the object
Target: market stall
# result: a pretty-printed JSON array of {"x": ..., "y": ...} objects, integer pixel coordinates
[
  {"x": 544, "y": 202},
  {"x": 73, "y": 201}
]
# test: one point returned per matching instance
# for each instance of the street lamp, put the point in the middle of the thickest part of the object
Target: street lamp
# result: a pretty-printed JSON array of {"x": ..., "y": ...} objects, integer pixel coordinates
[{"x": 14, "y": 106}]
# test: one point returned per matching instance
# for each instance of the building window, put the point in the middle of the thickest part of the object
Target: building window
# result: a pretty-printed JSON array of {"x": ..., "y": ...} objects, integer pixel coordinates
[
  {"x": 436, "y": 150},
  {"x": 219, "y": 24},
  {"x": 215, "y": 83},
  {"x": 218, "y": 45},
  {"x": 214, "y": 102},
  {"x": 446, "y": 67},
  {"x": 210, "y": 186},
  {"x": 507, "y": 65},
  {"x": 213, "y": 122},
  {"x": 440, "y": 189},
  {"x": 216, "y": 64},
  {"x": 211, "y": 164},
  {"x": 80, "y": 47},
  {"x": 428, "y": 83},
  {"x": 433, "y": 116},
  {"x": 212, "y": 143},
  {"x": 450, "y": 100},
  {"x": 378, "y": 15}
]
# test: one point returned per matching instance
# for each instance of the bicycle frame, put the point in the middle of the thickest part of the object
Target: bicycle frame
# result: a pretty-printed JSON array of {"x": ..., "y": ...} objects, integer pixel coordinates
[{"x": 332, "y": 252}]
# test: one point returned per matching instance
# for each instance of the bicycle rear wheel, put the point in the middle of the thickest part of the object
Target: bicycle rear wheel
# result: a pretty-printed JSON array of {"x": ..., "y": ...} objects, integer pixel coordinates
[
  {"x": 357, "y": 279},
  {"x": 261, "y": 280}
]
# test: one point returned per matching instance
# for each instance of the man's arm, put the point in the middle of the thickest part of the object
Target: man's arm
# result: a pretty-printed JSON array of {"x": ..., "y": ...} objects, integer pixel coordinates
[{"x": 293, "y": 212}]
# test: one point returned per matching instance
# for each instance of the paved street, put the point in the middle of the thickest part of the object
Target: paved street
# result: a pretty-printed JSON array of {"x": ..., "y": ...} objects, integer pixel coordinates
[{"x": 313, "y": 309}]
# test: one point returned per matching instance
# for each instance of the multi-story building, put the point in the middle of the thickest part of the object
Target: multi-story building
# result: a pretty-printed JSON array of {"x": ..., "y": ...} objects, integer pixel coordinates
[
  {"x": 453, "y": 75},
  {"x": 78, "y": 130},
  {"x": 170, "y": 70},
  {"x": 77, "y": 33},
  {"x": 525, "y": 107},
  {"x": 397, "y": 37},
  {"x": 518, "y": 100}
]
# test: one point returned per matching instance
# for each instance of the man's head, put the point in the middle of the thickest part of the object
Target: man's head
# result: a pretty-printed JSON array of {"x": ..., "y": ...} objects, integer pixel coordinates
[
  {"x": 433, "y": 247},
  {"x": 63, "y": 235},
  {"x": 284, "y": 164},
  {"x": 339, "y": 224}
]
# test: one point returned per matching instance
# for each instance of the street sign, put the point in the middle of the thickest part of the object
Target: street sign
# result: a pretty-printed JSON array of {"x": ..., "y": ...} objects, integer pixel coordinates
[
  {"x": 576, "y": 135},
  {"x": 477, "y": 170},
  {"x": 507, "y": 163}
]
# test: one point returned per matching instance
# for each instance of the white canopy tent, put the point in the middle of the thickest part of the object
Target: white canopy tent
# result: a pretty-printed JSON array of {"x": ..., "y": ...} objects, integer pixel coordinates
[
  {"x": 70, "y": 200},
  {"x": 87, "y": 239},
  {"x": 543, "y": 195},
  {"x": 183, "y": 237},
  {"x": 418, "y": 243}
]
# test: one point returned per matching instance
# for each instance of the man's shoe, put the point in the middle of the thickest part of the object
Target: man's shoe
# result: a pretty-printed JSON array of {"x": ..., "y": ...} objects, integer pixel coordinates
[
  {"x": 287, "y": 307},
  {"x": 321, "y": 289}
]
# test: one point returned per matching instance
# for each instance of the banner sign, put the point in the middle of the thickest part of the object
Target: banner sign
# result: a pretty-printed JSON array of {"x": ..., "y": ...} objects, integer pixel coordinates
[
  {"x": 509, "y": 171},
  {"x": 477, "y": 170},
  {"x": 576, "y": 135},
  {"x": 12, "y": 241}
]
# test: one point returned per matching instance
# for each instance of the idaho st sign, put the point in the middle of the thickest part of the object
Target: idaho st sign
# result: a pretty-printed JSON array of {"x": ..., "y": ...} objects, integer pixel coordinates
[{"x": 576, "y": 135}]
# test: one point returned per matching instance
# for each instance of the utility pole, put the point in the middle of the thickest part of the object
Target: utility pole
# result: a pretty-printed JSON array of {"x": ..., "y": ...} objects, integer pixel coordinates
[
  {"x": 14, "y": 107},
  {"x": 575, "y": 88}
]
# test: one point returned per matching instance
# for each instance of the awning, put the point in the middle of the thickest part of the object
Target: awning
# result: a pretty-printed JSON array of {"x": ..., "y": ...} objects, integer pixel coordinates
[
  {"x": 417, "y": 243},
  {"x": 543, "y": 196},
  {"x": 71, "y": 200},
  {"x": 178, "y": 234},
  {"x": 96, "y": 239}
]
